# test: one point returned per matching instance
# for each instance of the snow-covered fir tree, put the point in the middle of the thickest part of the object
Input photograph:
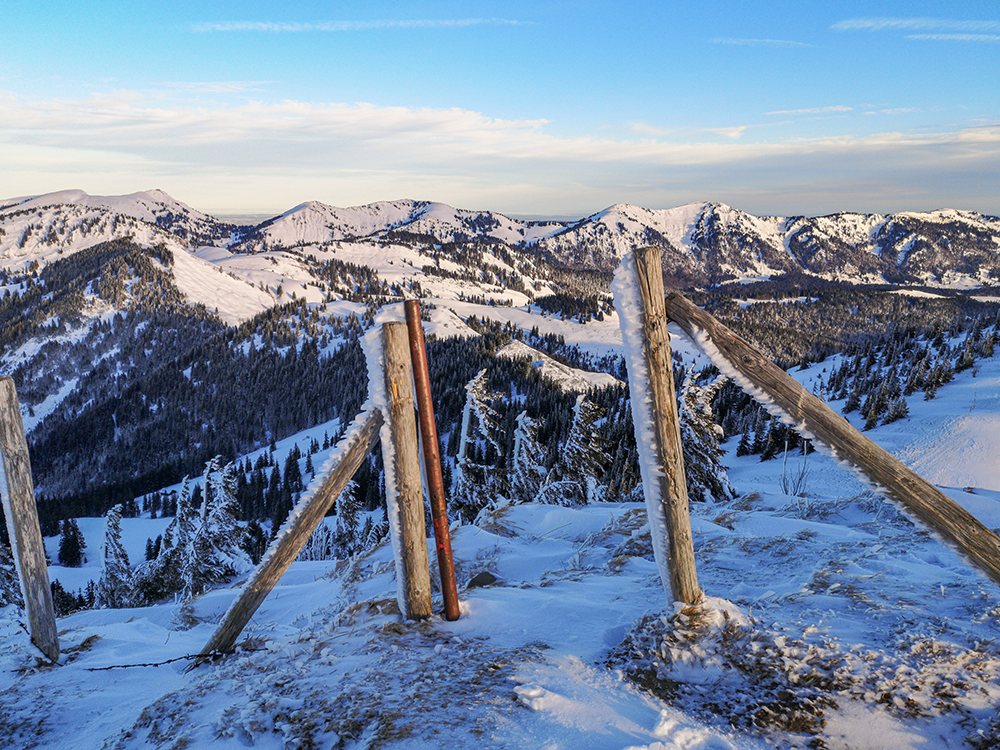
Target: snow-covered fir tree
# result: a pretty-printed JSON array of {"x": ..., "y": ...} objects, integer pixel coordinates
[
  {"x": 10, "y": 586},
  {"x": 321, "y": 545},
  {"x": 189, "y": 568},
  {"x": 162, "y": 577},
  {"x": 114, "y": 587},
  {"x": 575, "y": 479},
  {"x": 340, "y": 539},
  {"x": 526, "y": 470},
  {"x": 202, "y": 546},
  {"x": 214, "y": 553},
  {"x": 473, "y": 482},
  {"x": 700, "y": 436}
]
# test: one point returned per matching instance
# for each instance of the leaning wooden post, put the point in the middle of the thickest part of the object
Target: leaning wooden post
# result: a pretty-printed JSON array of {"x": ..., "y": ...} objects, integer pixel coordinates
[
  {"x": 402, "y": 475},
  {"x": 351, "y": 450},
  {"x": 638, "y": 290},
  {"x": 780, "y": 393},
  {"x": 18, "y": 497},
  {"x": 432, "y": 460}
]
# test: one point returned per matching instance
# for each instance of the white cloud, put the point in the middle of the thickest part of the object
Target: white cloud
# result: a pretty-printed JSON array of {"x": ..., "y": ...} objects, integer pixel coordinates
[
  {"x": 739, "y": 42},
  {"x": 734, "y": 133},
  {"x": 836, "y": 109},
  {"x": 282, "y": 27},
  {"x": 915, "y": 24},
  {"x": 270, "y": 156}
]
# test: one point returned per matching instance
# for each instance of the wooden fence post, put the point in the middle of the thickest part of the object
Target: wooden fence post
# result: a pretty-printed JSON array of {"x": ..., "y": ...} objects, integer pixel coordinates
[
  {"x": 402, "y": 463},
  {"x": 769, "y": 384},
  {"x": 294, "y": 535},
  {"x": 432, "y": 461},
  {"x": 664, "y": 483},
  {"x": 18, "y": 497}
]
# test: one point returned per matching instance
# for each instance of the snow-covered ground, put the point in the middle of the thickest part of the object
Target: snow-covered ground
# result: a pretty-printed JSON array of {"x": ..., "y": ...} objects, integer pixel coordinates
[{"x": 831, "y": 581}]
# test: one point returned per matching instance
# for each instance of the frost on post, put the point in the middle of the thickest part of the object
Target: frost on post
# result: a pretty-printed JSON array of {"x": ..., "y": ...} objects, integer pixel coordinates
[{"x": 628, "y": 303}]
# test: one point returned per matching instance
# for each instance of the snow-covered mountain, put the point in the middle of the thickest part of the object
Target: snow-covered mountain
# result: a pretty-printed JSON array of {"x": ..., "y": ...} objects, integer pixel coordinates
[
  {"x": 317, "y": 223},
  {"x": 44, "y": 226},
  {"x": 702, "y": 243},
  {"x": 706, "y": 243}
]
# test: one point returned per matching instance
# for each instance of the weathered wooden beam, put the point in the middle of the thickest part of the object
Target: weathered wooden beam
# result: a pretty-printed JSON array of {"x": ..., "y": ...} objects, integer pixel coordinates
[
  {"x": 19, "y": 507},
  {"x": 409, "y": 532},
  {"x": 294, "y": 535},
  {"x": 669, "y": 500},
  {"x": 813, "y": 418}
]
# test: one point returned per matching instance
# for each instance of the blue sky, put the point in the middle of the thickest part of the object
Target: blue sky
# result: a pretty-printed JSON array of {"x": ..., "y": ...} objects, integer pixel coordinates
[{"x": 534, "y": 109}]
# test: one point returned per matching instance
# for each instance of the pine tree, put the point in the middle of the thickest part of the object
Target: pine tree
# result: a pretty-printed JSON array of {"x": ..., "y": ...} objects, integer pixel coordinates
[
  {"x": 163, "y": 576},
  {"x": 189, "y": 567},
  {"x": 472, "y": 489},
  {"x": 320, "y": 546},
  {"x": 254, "y": 542},
  {"x": 113, "y": 588},
  {"x": 63, "y": 602},
  {"x": 526, "y": 471},
  {"x": 348, "y": 510},
  {"x": 774, "y": 442},
  {"x": 574, "y": 480},
  {"x": 700, "y": 437},
  {"x": 376, "y": 533},
  {"x": 214, "y": 553},
  {"x": 898, "y": 409},
  {"x": 293, "y": 475},
  {"x": 71, "y": 544},
  {"x": 915, "y": 379},
  {"x": 760, "y": 434},
  {"x": 10, "y": 586},
  {"x": 745, "y": 445}
]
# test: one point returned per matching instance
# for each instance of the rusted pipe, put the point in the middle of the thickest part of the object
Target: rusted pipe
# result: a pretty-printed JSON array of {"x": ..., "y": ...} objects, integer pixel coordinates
[{"x": 432, "y": 459}]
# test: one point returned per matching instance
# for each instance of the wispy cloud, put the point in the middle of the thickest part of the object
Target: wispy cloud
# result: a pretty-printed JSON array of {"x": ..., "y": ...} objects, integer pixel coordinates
[
  {"x": 283, "y": 27},
  {"x": 740, "y": 42},
  {"x": 915, "y": 24},
  {"x": 892, "y": 111},
  {"x": 975, "y": 38},
  {"x": 836, "y": 109}
]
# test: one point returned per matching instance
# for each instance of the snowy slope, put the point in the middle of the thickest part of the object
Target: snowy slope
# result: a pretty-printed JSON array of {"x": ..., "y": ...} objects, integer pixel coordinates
[
  {"x": 568, "y": 378},
  {"x": 233, "y": 298},
  {"x": 891, "y": 629}
]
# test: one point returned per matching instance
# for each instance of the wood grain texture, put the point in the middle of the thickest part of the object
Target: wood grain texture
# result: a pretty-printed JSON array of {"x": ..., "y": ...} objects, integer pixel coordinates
[
  {"x": 670, "y": 456},
  {"x": 294, "y": 538},
  {"x": 918, "y": 497},
  {"x": 18, "y": 496},
  {"x": 415, "y": 586}
]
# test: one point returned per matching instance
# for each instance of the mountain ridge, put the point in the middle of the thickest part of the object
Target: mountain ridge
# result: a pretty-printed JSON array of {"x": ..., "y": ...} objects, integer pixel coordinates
[{"x": 703, "y": 243}]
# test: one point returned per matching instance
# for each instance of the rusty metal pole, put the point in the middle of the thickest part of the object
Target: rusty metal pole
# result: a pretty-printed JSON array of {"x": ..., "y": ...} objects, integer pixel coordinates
[{"x": 432, "y": 459}]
